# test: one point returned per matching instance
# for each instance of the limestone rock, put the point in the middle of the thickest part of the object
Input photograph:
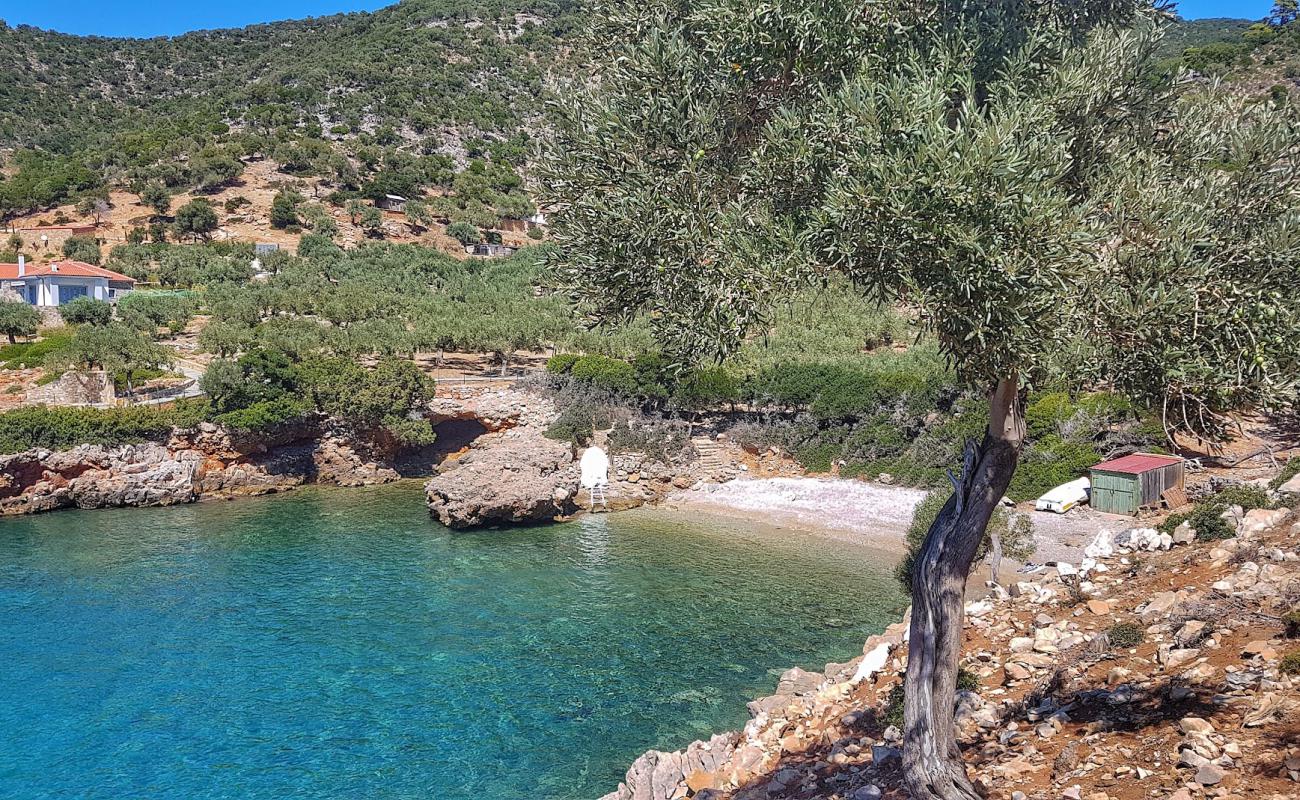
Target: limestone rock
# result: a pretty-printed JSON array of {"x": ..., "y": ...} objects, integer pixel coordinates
[{"x": 515, "y": 481}]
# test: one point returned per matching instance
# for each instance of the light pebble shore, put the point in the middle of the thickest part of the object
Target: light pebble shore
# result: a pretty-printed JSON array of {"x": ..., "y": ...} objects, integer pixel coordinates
[
  {"x": 855, "y": 511},
  {"x": 868, "y": 514}
]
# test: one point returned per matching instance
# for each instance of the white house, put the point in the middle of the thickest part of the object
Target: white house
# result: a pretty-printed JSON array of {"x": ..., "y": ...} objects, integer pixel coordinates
[{"x": 60, "y": 282}]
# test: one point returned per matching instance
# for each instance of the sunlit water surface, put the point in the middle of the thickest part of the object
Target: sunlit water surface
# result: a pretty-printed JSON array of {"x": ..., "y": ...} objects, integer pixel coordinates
[{"x": 337, "y": 643}]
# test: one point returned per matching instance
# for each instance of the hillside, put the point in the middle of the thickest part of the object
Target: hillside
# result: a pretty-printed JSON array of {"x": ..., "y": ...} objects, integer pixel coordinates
[
  {"x": 430, "y": 99},
  {"x": 399, "y": 97}
]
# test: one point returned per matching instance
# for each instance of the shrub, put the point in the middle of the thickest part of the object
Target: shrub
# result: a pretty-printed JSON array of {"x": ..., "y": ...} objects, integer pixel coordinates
[
  {"x": 1048, "y": 463},
  {"x": 573, "y": 425},
  {"x": 893, "y": 711},
  {"x": 1244, "y": 495},
  {"x": 1289, "y": 470},
  {"x": 33, "y": 354},
  {"x": 262, "y": 415},
  {"x": 606, "y": 373},
  {"x": 1045, "y": 414},
  {"x": 1292, "y": 622},
  {"x": 82, "y": 248},
  {"x": 87, "y": 311},
  {"x": 58, "y": 428},
  {"x": 464, "y": 232},
  {"x": 707, "y": 387},
  {"x": 561, "y": 364},
  {"x": 1290, "y": 663},
  {"x": 818, "y": 457},
  {"x": 1123, "y": 635},
  {"x": 656, "y": 439}
]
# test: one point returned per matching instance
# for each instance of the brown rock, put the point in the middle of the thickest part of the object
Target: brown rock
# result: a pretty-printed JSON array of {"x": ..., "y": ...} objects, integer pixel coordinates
[{"x": 1099, "y": 607}]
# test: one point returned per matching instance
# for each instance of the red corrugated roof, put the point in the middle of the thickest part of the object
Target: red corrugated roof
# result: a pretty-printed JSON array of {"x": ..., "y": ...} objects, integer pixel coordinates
[
  {"x": 77, "y": 269},
  {"x": 1136, "y": 463}
]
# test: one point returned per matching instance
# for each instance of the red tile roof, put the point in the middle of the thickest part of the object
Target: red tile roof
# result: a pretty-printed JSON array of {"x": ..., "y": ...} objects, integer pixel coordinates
[
  {"x": 1137, "y": 463},
  {"x": 77, "y": 269}
]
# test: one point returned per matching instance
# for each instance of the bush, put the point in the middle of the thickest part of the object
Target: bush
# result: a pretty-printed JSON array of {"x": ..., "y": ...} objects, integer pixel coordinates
[
  {"x": 87, "y": 311},
  {"x": 1244, "y": 495},
  {"x": 1292, "y": 621},
  {"x": 606, "y": 373},
  {"x": 573, "y": 425},
  {"x": 894, "y": 702},
  {"x": 1290, "y": 663},
  {"x": 262, "y": 415},
  {"x": 82, "y": 248},
  {"x": 1289, "y": 470},
  {"x": 464, "y": 232},
  {"x": 25, "y": 355},
  {"x": 1045, "y": 414},
  {"x": 1048, "y": 463},
  {"x": 562, "y": 363},
  {"x": 1207, "y": 516},
  {"x": 706, "y": 387},
  {"x": 1123, "y": 635},
  {"x": 58, "y": 428}
]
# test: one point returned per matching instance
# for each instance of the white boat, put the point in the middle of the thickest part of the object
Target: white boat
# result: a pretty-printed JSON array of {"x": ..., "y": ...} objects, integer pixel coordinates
[{"x": 1064, "y": 497}]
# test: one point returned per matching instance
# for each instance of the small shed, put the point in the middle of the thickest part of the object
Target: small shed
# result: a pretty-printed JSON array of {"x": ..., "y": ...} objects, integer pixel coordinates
[
  {"x": 1124, "y": 485},
  {"x": 265, "y": 248},
  {"x": 392, "y": 202}
]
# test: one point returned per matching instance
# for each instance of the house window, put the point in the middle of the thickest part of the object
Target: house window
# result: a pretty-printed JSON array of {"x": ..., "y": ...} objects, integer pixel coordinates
[{"x": 70, "y": 293}]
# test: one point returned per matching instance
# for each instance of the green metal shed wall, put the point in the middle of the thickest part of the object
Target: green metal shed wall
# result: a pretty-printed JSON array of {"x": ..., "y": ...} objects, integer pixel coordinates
[
  {"x": 1115, "y": 492},
  {"x": 1125, "y": 493}
]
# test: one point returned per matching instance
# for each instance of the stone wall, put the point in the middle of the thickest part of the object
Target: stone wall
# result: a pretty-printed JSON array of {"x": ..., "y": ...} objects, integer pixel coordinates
[{"x": 75, "y": 389}]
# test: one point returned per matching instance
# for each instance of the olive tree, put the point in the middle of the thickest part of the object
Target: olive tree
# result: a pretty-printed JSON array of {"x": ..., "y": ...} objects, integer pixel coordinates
[
  {"x": 114, "y": 348},
  {"x": 1009, "y": 171},
  {"x": 18, "y": 319}
]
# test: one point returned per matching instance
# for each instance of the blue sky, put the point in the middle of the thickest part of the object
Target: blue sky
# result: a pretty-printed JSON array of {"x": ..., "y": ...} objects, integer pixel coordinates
[{"x": 170, "y": 17}]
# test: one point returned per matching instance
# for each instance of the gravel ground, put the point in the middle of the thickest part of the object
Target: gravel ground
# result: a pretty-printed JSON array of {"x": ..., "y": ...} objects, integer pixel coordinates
[{"x": 874, "y": 514}]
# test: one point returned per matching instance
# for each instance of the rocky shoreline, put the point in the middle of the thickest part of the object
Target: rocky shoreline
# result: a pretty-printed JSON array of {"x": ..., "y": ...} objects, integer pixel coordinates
[
  {"x": 514, "y": 474},
  {"x": 1194, "y": 703},
  {"x": 205, "y": 462},
  {"x": 505, "y": 471}
]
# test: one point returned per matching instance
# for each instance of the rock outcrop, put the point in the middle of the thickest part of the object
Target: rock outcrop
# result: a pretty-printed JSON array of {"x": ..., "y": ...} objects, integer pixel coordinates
[
  {"x": 522, "y": 478},
  {"x": 513, "y": 474},
  {"x": 207, "y": 461}
]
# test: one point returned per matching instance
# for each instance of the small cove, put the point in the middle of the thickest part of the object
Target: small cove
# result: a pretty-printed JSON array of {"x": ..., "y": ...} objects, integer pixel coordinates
[{"x": 338, "y": 643}]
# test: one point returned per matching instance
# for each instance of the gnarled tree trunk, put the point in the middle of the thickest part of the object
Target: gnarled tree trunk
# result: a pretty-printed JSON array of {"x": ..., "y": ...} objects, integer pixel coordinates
[{"x": 932, "y": 762}]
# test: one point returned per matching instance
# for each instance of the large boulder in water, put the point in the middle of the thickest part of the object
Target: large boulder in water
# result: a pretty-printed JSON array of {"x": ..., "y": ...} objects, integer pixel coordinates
[{"x": 524, "y": 477}]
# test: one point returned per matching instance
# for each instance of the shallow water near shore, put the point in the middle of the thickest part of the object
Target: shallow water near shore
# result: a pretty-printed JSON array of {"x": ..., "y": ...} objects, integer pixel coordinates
[{"x": 337, "y": 643}]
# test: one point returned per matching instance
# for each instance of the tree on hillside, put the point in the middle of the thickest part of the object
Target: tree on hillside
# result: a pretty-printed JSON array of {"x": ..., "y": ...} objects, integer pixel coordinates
[
  {"x": 92, "y": 206},
  {"x": 464, "y": 232},
  {"x": 81, "y": 248},
  {"x": 197, "y": 219},
  {"x": 284, "y": 208},
  {"x": 155, "y": 196},
  {"x": 418, "y": 215},
  {"x": 1284, "y": 12},
  {"x": 1011, "y": 171},
  {"x": 18, "y": 319},
  {"x": 114, "y": 348}
]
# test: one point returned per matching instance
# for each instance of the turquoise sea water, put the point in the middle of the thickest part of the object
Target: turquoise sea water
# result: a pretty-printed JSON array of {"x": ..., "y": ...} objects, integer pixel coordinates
[{"x": 336, "y": 643}]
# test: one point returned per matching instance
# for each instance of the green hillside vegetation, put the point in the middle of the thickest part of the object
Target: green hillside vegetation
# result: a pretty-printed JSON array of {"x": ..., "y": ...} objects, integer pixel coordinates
[
  {"x": 1256, "y": 56},
  {"x": 381, "y": 102}
]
